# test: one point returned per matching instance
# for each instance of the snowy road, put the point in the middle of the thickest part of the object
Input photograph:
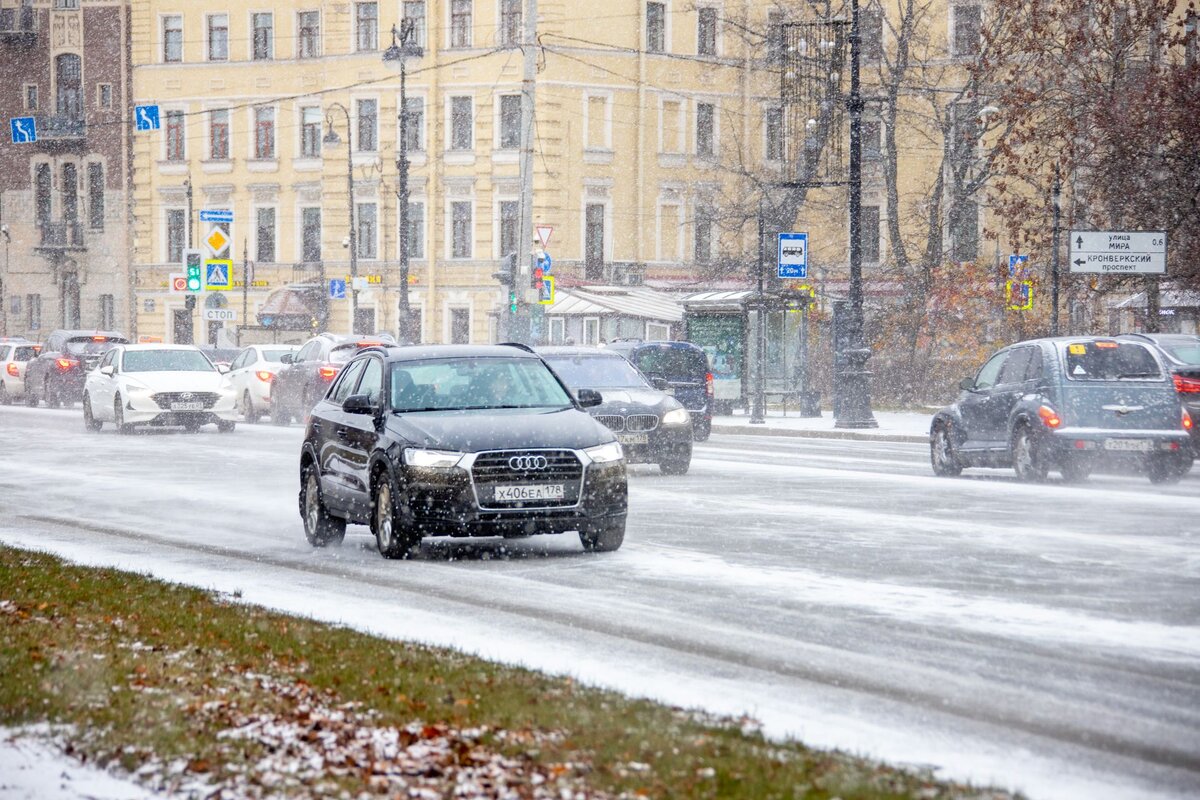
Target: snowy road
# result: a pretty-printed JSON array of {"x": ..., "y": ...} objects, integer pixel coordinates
[{"x": 1045, "y": 638}]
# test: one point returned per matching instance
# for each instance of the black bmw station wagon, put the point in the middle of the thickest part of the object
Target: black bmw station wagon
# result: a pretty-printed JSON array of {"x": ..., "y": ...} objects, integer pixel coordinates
[{"x": 458, "y": 440}]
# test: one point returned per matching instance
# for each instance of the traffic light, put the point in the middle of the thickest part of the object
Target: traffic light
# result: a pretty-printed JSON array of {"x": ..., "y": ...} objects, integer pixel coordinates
[
  {"x": 507, "y": 277},
  {"x": 194, "y": 280}
]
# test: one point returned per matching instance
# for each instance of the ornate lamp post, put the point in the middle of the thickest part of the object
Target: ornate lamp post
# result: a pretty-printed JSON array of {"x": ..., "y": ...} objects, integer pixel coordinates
[
  {"x": 329, "y": 141},
  {"x": 404, "y": 49}
]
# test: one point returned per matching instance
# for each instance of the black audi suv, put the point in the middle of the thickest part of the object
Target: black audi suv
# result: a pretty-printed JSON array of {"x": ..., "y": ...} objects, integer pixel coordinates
[{"x": 458, "y": 440}]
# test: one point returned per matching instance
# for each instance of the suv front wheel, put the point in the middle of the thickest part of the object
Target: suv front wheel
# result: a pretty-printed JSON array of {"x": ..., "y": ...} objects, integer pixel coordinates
[{"x": 603, "y": 538}]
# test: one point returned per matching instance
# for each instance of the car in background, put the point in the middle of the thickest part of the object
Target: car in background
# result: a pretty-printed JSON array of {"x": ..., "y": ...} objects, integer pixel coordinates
[
  {"x": 56, "y": 376},
  {"x": 219, "y": 356},
  {"x": 1181, "y": 353},
  {"x": 684, "y": 367},
  {"x": 458, "y": 440},
  {"x": 1069, "y": 403},
  {"x": 15, "y": 353},
  {"x": 651, "y": 426},
  {"x": 305, "y": 377},
  {"x": 158, "y": 384},
  {"x": 251, "y": 373}
]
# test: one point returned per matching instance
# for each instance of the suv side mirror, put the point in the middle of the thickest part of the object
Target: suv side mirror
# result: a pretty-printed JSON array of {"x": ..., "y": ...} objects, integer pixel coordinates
[
  {"x": 967, "y": 384},
  {"x": 286, "y": 358},
  {"x": 662, "y": 384},
  {"x": 358, "y": 404},
  {"x": 589, "y": 398}
]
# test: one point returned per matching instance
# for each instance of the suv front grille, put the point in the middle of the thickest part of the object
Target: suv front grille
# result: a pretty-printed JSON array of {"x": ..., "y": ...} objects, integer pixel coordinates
[
  {"x": 165, "y": 399},
  {"x": 640, "y": 423},
  {"x": 614, "y": 422},
  {"x": 523, "y": 468}
]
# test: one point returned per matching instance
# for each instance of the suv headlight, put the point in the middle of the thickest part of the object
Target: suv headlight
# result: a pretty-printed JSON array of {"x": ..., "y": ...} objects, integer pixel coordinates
[
  {"x": 605, "y": 453},
  {"x": 439, "y": 459},
  {"x": 677, "y": 416}
]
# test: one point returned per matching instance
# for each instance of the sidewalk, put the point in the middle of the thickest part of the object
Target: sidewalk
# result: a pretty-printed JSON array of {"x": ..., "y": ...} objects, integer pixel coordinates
[{"x": 894, "y": 426}]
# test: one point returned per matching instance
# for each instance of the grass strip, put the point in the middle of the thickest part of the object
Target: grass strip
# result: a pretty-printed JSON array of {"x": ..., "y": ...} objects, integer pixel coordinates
[{"x": 197, "y": 694}]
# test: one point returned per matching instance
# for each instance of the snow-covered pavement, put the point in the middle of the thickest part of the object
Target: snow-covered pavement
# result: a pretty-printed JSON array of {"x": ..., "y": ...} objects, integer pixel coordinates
[{"x": 1039, "y": 637}]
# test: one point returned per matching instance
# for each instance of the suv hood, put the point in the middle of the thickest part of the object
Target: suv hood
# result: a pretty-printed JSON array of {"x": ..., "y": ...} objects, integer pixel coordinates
[{"x": 500, "y": 429}]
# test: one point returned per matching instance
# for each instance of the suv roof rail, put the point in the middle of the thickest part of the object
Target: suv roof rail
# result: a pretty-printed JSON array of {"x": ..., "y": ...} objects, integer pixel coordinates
[{"x": 518, "y": 345}]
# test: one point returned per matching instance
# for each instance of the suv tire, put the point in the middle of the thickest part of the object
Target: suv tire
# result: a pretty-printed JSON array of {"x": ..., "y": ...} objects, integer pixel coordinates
[
  {"x": 391, "y": 539},
  {"x": 941, "y": 453},
  {"x": 1027, "y": 457},
  {"x": 603, "y": 538},
  {"x": 321, "y": 529}
]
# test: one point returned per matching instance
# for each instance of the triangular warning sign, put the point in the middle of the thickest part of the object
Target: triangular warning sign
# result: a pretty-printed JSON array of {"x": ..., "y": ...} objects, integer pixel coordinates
[{"x": 543, "y": 234}]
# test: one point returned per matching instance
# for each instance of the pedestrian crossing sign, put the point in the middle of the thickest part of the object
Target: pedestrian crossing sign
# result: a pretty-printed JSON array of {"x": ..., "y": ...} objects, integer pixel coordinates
[{"x": 218, "y": 275}]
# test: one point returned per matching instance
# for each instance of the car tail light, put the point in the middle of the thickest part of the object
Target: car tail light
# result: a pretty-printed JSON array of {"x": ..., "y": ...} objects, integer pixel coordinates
[
  {"x": 1187, "y": 385},
  {"x": 1049, "y": 417},
  {"x": 370, "y": 344},
  {"x": 65, "y": 364},
  {"x": 708, "y": 384},
  {"x": 266, "y": 376},
  {"x": 1187, "y": 420},
  {"x": 327, "y": 372},
  {"x": 99, "y": 338},
  {"x": 12, "y": 370}
]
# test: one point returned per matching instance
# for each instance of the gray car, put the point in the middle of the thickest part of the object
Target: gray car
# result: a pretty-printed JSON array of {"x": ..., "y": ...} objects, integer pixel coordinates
[{"x": 1073, "y": 404}]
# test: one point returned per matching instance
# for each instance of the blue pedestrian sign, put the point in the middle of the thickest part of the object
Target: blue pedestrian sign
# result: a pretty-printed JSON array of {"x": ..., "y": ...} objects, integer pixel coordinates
[
  {"x": 337, "y": 289},
  {"x": 546, "y": 263},
  {"x": 218, "y": 275},
  {"x": 145, "y": 118},
  {"x": 24, "y": 130},
  {"x": 793, "y": 255}
]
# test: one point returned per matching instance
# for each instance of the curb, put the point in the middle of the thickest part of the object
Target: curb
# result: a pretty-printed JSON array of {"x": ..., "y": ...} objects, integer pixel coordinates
[{"x": 795, "y": 433}]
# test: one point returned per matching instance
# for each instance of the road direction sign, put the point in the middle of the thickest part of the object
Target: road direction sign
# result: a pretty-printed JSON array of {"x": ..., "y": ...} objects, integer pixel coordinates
[
  {"x": 793, "y": 255},
  {"x": 24, "y": 130},
  {"x": 178, "y": 282},
  {"x": 216, "y": 215},
  {"x": 337, "y": 289},
  {"x": 145, "y": 118},
  {"x": 1119, "y": 252},
  {"x": 218, "y": 275},
  {"x": 220, "y": 315},
  {"x": 543, "y": 234}
]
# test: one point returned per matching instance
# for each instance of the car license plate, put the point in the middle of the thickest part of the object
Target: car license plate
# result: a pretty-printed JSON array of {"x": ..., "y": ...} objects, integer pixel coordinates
[
  {"x": 194, "y": 406},
  {"x": 544, "y": 491},
  {"x": 633, "y": 438},
  {"x": 1129, "y": 445}
]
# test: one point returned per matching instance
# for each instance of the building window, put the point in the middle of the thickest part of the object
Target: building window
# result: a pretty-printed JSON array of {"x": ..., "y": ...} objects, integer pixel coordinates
[
  {"x": 366, "y": 26},
  {"x": 368, "y": 125},
  {"x": 42, "y": 187},
  {"x": 774, "y": 36},
  {"x": 68, "y": 77},
  {"x": 460, "y": 23},
  {"x": 95, "y": 174},
  {"x": 461, "y": 123},
  {"x": 872, "y": 140},
  {"x": 593, "y": 242},
  {"x": 175, "y": 138},
  {"x": 414, "y": 125},
  {"x": 704, "y": 236},
  {"x": 107, "y": 315},
  {"x": 265, "y": 235},
  {"x": 264, "y": 132},
  {"x": 218, "y": 134},
  {"x": 310, "y": 236},
  {"x": 66, "y": 5},
  {"x": 31, "y": 97},
  {"x": 415, "y": 10},
  {"x": 264, "y": 36},
  {"x": 172, "y": 38},
  {"x": 705, "y": 130},
  {"x": 460, "y": 326},
  {"x": 104, "y": 95},
  {"x": 368, "y": 229},
  {"x": 310, "y": 132},
  {"x": 872, "y": 35},
  {"x": 868, "y": 234},
  {"x": 706, "y": 31},
  {"x": 510, "y": 22},
  {"x": 176, "y": 234},
  {"x": 218, "y": 37},
  {"x": 510, "y": 121},
  {"x": 671, "y": 130},
  {"x": 460, "y": 229},
  {"x": 968, "y": 25},
  {"x": 308, "y": 37},
  {"x": 773, "y": 133},
  {"x": 591, "y": 330},
  {"x": 416, "y": 229},
  {"x": 966, "y": 131},
  {"x": 964, "y": 231},
  {"x": 510, "y": 224},
  {"x": 70, "y": 193},
  {"x": 656, "y": 27},
  {"x": 33, "y": 305}
]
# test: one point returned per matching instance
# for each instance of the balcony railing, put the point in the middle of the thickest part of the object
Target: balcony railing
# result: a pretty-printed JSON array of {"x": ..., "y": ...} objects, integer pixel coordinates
[
  {"x": 61, "y": 128},
  {"x": 62, "y": 236},
  {"x": 17, "y": 25}
]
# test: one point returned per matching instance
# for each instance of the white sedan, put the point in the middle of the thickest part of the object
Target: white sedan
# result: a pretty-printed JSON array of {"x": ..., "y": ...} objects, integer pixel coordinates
[
  {"x": 251, "y": 374},
  {"x": 157, "y": 384}
]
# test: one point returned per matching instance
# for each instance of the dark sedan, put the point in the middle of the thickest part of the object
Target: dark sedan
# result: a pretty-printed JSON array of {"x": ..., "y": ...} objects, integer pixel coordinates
[
  {"x": 57, "y": 375},
  {"x": 652, "y": 426},
  {"x": 307, "y": 375},
  {"x": 460, "y": 441}
]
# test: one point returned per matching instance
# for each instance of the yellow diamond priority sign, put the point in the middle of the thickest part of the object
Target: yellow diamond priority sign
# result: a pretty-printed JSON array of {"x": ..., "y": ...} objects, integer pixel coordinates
[{"x": 217, "y": 240}]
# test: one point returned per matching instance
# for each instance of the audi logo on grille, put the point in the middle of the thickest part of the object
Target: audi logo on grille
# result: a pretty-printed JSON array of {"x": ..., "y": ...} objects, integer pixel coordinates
[{"x": 526, "y": 463}]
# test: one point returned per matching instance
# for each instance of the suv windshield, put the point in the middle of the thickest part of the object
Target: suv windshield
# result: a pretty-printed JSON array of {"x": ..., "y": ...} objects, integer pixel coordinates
[
  {"x": 91, "y": 345},
  {"x": 673, "y": 363},
  {"x": 166, "y": 361},
  {"x": 454, "y": 384},
  {"x": 597, "y": 372},
  {"x": 1109, "y": 361}
]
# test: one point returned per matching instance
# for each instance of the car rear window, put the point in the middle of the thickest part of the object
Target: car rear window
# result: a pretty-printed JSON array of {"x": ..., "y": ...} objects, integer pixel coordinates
[
  {"x": 673, "y": 363},
  {"x": 91, "y": 345},
  {"x": 1187, "y": 353},
  {"x": 275, "y": 356},
  {"x": 1105, "y": 360},
  {"x": 24, "y": 353},
  {"x": 343, "y": 353}
]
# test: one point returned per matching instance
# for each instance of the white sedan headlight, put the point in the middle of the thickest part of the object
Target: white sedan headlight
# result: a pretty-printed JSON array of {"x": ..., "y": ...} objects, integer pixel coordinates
[
  {"x": 134, "y": 387},
  {"x": 442, "y": 459},
  {"x": 606, "y": 453},
  {"x": 677, "y": 416}
]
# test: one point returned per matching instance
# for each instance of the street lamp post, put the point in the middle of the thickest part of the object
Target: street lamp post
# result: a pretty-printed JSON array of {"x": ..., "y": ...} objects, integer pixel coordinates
[
  {"x": 396, "y": 57},
  {"x": 329, "y": 141},
  {"x": 1057, "y": 199}
]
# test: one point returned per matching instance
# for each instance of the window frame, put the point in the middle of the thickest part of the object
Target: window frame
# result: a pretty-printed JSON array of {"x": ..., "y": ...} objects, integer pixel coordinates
[
  {"x": 210, "y": 41},
  {"x": 956, "y": 38},
  {"x": 453, "y": 251},
  {"x": 259, "y": 256},
  {"x": 174, "y": 127},
  {"x": 269, "y": 49},
  {"x": 708, "y": 43},
  {"x": 213, "y": 127},
  {"x": 713, "y": 146},
  {"x": 452, "y": 139},
  {"x": 508, "y": 138},
  {"x": 308, "y": 38},
  {"x": 366, "y": 40},
  {"x": 662, "y": 45},
  {"x": 460, "y": 36},
  {"x": 95, "y": 190},
  {"x": 257, "y": 140},
  {"x": 164, "y": 32},
  {"x": 361, "y": 146},
  {"x": 368, "y": 245}
]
